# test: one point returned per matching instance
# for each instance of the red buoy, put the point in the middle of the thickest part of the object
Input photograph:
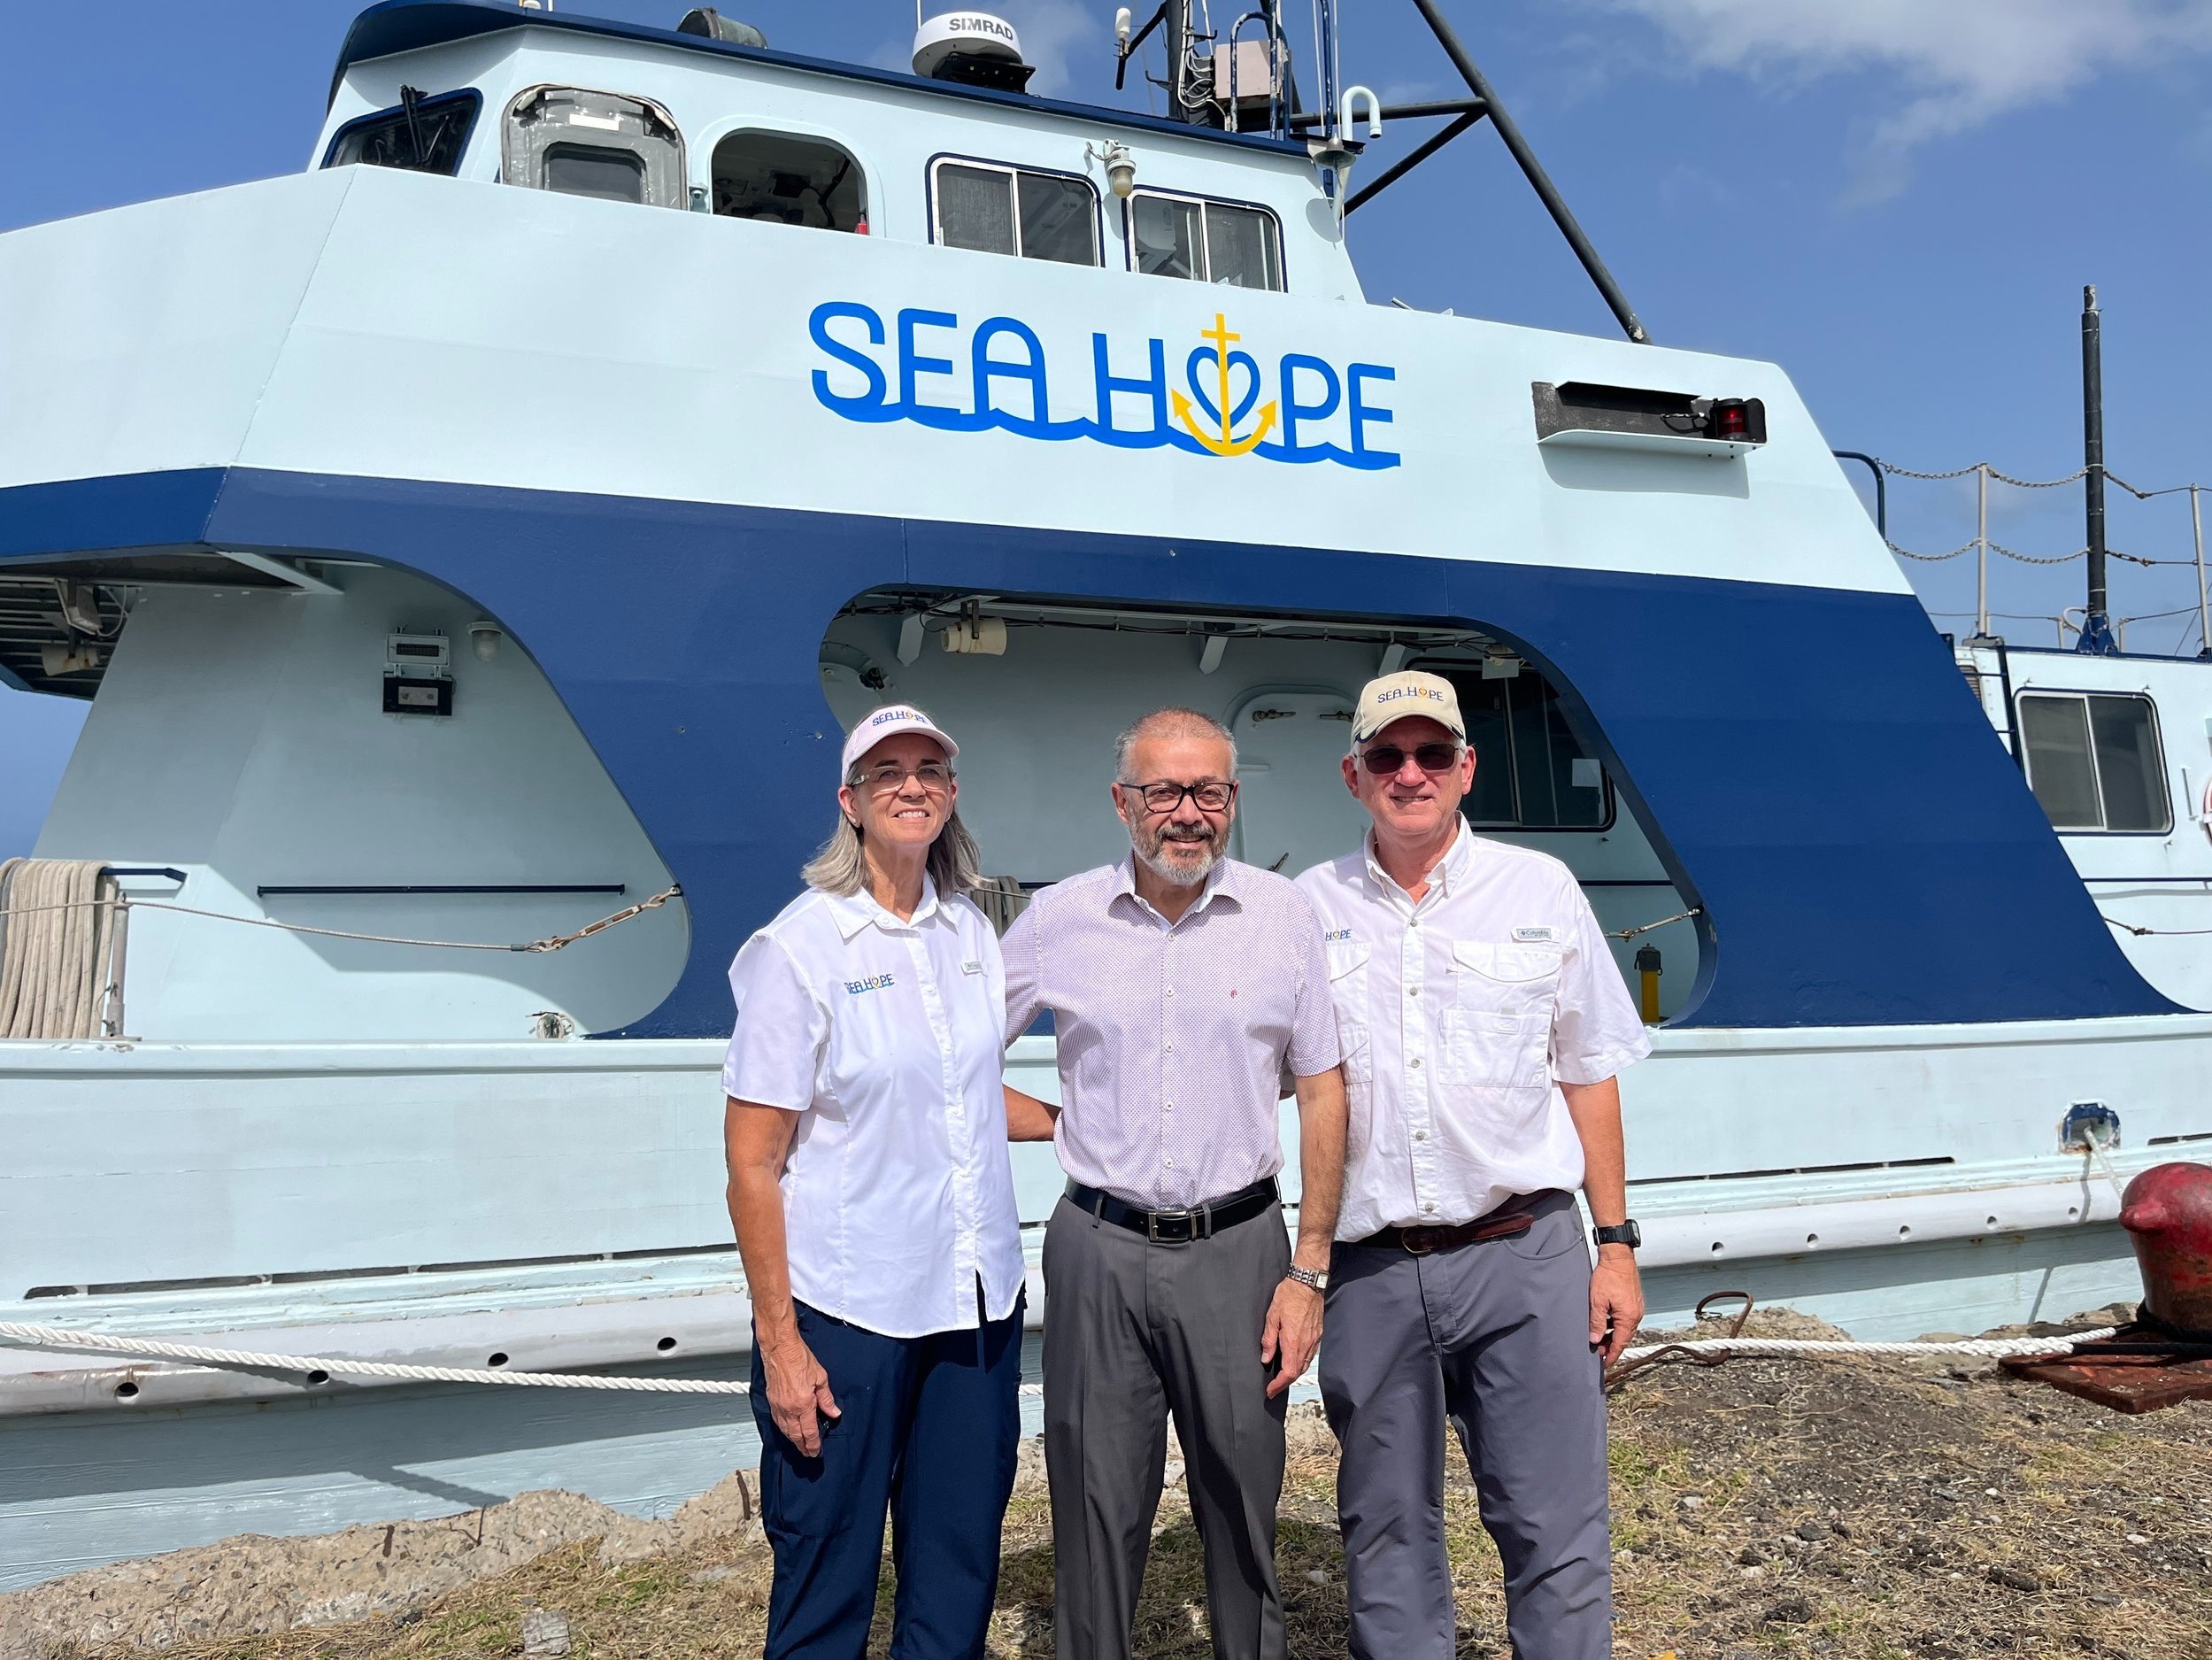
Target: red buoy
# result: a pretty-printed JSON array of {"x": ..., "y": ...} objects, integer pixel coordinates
[{"x": 2168, "y": 1210}]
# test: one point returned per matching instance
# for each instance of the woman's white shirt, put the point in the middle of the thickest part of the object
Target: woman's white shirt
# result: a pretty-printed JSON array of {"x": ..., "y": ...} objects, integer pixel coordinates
[{"x": 886, "y": 1039}]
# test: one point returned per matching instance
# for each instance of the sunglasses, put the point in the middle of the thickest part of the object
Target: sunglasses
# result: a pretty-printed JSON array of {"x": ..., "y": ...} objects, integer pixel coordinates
[{"x": 1386, "y": 760}]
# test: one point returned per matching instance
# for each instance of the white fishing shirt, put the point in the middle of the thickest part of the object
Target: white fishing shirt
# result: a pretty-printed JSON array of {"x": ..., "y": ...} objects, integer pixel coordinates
[
  {"x": 1459, "y": 1017},
  {"x": 886, "y": 1038}
]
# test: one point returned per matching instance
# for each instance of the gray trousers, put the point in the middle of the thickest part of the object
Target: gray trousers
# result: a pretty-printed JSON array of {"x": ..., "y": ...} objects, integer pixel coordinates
[
  {"x": 1496, "y": 1336},
  {"x": 1137, "y": 1332}
]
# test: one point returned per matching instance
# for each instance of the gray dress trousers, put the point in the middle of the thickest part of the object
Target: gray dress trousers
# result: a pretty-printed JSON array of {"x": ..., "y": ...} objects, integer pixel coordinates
[
  {"x": 1496, "y": 1337},
  {"x": 1140, "y": 1332}
]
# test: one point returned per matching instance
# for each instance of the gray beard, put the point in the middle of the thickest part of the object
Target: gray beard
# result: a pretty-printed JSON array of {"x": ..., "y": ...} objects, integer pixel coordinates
[{"x": 1176, "y": 876}]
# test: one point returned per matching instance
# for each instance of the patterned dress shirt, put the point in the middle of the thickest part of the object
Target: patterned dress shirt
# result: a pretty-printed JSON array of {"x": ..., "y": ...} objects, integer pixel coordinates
[{"x": 1173, "y": 1037}]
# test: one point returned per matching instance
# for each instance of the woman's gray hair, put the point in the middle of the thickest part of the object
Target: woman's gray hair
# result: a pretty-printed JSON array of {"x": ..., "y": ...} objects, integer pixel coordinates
[{"x": 955, "y": 865}]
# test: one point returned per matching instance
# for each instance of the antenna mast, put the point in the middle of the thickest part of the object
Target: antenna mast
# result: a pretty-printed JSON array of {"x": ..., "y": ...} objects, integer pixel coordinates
[{"x": 2096, "y": 626}]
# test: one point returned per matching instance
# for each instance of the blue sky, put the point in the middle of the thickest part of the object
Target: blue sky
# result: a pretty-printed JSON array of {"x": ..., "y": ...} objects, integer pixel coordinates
[{"x": 1898, "y": 200}]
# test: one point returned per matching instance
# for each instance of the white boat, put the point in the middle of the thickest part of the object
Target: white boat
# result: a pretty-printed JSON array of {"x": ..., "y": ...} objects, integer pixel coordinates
[{"x": 491, "y": 527}]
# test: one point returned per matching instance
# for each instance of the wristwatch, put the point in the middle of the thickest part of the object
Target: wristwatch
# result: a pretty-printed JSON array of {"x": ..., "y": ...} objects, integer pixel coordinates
[
  {"x": 1312, "y": 1278},
  {"x": 1627, "y": 1234}
]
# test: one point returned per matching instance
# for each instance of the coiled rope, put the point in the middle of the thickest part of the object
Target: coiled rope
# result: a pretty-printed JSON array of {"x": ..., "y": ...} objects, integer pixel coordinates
[
  {"x": 322, "y": 1367},
  {"x": 60, "y": 939}
]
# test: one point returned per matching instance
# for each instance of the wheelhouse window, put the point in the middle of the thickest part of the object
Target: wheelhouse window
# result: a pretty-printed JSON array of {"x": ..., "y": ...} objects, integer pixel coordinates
[
  {"x": 597, "y": 144},
  {"x": 2094, "y": 761},
  {"x": 418, "y": 134},
  {"x": 1531, "y": 772},
  {"x": 1205, "y": 241},
  {"x": 788, "y": 180},
  {"x": 1013, "y": 210}
]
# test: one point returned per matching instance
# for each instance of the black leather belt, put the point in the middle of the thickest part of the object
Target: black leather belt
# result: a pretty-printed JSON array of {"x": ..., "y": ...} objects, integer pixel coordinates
[{"x": 1180, "y": 1227}]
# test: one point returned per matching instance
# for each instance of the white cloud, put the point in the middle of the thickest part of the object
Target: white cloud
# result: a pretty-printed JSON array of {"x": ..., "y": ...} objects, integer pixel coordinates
[{"x": 1957, "y": 63}]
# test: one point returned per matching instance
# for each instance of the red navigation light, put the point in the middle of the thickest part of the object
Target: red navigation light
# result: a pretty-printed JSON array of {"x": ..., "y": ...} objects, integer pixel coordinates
[
  {"x": 1737, "y": 420},
  {"x": 861, "y": 228}
]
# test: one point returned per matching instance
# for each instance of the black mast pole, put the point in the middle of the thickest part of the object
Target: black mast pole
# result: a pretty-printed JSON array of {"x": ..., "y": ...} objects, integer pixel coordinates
[
  {"x": 1547, "y": 192},
  {"x": 2096, "y": 629}
]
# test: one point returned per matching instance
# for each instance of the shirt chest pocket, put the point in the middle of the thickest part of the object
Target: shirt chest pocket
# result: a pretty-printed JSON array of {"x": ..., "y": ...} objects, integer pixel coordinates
[
  {"x": 1497, "y": 1018},
  {"x": 1348, "y": 971}
]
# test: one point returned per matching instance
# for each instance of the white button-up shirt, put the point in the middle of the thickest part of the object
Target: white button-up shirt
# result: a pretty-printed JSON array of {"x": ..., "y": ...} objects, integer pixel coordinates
[
  {"x": 1173, "y": 1038},
  {"x": 885, "y": 1037},
  {"x": 1460, "y": 1016}
]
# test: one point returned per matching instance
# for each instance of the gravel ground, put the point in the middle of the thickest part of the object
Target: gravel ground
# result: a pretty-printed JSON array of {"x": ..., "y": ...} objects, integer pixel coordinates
[{"x": 1847, "y": 1510}]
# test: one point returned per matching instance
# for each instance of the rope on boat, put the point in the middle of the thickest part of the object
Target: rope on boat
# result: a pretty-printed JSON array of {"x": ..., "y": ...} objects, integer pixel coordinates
[
  {"x": 61, "y": 947},
  {"x": 554, "y": 942},
  {"x": 321, "y": 1368}
]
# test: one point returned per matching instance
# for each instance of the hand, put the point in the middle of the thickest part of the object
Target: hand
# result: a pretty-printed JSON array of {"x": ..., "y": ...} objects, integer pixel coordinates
[
  {"x": 1291, "y": 1334},
  {"x": 798, "y": 1390},
  {"x": 1616, "y": 1300}
]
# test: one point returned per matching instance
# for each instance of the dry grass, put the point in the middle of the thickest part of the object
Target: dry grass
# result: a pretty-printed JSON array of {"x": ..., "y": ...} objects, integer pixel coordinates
[{"x": 1847, "y": 1510}]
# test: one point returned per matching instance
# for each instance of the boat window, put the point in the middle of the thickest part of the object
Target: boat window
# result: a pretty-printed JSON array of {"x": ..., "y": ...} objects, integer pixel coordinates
[
  {"x": 1530, "y": 770},
  {"x": 2094, "y": 762},
  {"x": 612, "y": 176},
  {"x": 788, "y": 180},
  {"x": 1011, "y": 210},
  {"x": 1205, "y": 241},
  {"x": 419, "y": 134},
  {"x": 596, "y": 144}
]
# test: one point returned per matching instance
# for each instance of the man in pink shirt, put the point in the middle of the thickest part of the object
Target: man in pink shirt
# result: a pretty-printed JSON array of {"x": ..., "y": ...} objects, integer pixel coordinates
[{"x": 1182, "y": 984}]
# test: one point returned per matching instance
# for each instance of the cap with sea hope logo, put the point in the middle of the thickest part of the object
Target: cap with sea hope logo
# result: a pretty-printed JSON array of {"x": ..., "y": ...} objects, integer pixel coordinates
[
  {"x": 1409, "y": 691},
  {"x": 889, "y": 722}
]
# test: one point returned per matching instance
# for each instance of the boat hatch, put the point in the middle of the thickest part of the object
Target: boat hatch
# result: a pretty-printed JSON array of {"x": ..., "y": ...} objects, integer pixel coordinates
[{"x": 599, "y": 145}]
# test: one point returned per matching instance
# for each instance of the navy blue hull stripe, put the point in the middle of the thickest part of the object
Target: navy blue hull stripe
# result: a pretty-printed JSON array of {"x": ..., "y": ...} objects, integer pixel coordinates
[{"x": 1813, "y": 768}]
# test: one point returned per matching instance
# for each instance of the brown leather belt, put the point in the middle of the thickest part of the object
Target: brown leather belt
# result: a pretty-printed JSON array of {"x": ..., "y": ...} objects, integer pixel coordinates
[{"x": 1515, "y": 1216}]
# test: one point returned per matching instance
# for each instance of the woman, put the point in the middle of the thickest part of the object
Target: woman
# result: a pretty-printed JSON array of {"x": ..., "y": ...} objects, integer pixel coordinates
[{"x": 874, "y": 1204}]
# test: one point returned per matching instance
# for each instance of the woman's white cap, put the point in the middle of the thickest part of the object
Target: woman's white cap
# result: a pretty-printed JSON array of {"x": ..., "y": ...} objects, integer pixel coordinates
[{"x": 889, "y": 722}]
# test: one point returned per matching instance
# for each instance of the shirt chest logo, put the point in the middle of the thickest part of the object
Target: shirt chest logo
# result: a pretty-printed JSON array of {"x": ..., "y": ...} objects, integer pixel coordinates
[
  {"x": 874, "y": 983},
  {"x": 1337, "y": 937},
  {"x": 1534, "y": 936}
]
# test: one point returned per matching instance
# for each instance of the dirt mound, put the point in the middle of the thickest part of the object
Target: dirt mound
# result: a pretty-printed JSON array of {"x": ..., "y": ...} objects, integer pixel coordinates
[{"x": 252, "y": 1584}]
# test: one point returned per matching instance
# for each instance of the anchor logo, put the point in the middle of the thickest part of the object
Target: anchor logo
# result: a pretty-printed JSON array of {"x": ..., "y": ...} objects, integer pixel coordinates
[{"x": 1226, "y": 441}]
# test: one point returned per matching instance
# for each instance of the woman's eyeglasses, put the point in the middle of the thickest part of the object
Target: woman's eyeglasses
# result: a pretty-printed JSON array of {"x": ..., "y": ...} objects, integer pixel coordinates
[
  {"x": 1386, "y": 760},
  {"x": 1166, "y": 798},
  {"x": 933, "y": 775}
]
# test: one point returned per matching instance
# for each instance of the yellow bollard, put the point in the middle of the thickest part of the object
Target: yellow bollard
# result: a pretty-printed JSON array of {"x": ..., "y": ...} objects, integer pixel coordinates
[{"x": 1647, "y": 966}]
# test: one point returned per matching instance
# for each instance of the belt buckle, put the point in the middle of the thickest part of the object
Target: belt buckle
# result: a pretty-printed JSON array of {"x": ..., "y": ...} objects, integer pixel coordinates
[
  {"x": 1196, "y": 1224},
  {"x": 1418, "y": 1242}
]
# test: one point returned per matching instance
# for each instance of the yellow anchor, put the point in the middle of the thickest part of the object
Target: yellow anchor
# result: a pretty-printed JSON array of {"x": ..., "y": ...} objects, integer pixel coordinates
[{"x": 1229, "y": 443}]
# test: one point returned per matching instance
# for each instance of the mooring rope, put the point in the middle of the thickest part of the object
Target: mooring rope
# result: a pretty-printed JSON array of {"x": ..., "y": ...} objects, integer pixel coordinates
[
  {"x": 318, "y": 1368},
  {"x": 322, "y": 1367},
  {"x": 554, "y": 942}
]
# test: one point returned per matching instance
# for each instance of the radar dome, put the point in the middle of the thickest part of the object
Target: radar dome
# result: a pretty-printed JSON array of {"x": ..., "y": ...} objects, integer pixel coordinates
[{"x": 975, "y": 47}]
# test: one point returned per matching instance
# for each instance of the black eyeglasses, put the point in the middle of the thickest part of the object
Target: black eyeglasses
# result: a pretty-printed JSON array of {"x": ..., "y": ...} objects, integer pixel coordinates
[
  {"x": 1212, "y": 796},
  {"x": 1386, "y": 760}
]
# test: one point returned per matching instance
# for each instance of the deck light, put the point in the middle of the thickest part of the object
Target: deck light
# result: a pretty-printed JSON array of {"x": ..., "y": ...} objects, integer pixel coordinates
[
  {"x": 483, "y": 639},
  {"x": 1121, "y": 166}
]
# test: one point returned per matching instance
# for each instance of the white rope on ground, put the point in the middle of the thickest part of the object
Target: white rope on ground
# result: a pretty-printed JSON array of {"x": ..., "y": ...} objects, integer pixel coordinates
[
  {"x": 146, "y": 1347},
  {"x": 1988, "y": 1348},
  {"x": 554, "y": 942},
  {"x": 58, "y": 935}
]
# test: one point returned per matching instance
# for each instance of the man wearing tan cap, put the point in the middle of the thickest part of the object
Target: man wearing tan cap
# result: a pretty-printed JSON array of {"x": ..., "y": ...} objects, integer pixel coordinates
[{"x": 1482, "y": 1020}]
